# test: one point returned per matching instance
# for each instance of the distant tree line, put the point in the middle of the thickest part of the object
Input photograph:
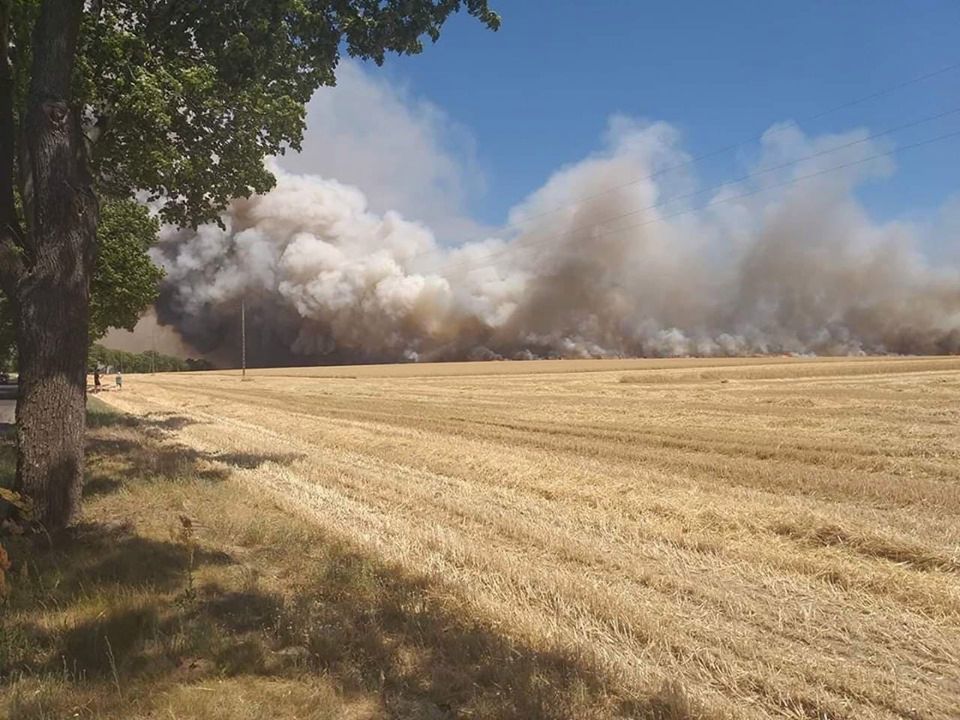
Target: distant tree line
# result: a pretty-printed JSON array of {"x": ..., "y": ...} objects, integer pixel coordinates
[
  {"x": 114, "y": 360},
  {"x": 144, "y": 362}
]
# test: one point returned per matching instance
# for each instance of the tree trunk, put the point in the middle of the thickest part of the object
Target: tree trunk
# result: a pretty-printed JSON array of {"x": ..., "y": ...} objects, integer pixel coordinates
[{"x": 53, "y": 292}]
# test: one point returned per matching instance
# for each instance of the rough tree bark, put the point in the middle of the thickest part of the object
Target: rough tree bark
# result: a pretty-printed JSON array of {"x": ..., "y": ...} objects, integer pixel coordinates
[{"x": 47, "y": 268}]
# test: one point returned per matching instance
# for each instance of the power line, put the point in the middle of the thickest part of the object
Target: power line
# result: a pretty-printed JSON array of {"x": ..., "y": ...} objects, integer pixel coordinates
[
  {"x": 714, "y": 153},
  {"x": 758, "y": 173},
  {"x": 719, "y": 201},
  {"x": 880, "y": 93}
]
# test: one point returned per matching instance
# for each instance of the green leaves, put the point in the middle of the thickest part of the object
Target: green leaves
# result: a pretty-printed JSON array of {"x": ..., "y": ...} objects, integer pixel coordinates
[
  {"x": 185, "y": 98},
  {"x": 148, "y": 361},
  {"x": 126, "y": 281}
]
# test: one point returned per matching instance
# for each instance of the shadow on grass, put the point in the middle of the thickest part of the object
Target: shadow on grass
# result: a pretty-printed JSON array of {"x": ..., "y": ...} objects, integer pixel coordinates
[
  {"x": 106, "y": 604},
  {"x": 370, "y": 628},
  {"x": 100, "y": 415},
  {"x": 377, "y": 628},
  {"x": 114, "y": 455}
]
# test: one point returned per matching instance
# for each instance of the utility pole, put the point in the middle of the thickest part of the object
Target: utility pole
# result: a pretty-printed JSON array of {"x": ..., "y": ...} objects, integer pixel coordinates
[{"x": 243, "y": 339}]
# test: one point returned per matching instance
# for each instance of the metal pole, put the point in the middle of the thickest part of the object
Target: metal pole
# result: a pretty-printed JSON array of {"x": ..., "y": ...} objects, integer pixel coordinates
[{"x": 243, "y": 338}]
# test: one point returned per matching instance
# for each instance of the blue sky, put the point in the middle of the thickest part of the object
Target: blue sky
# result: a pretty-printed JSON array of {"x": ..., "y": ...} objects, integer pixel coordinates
[{"x": 538, "y": 94}]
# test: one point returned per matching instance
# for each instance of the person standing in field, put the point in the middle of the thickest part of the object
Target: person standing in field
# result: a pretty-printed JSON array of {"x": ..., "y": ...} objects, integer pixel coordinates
[
  {"x": 96, "y": 379},
  {"x": 119, "y": 380}
]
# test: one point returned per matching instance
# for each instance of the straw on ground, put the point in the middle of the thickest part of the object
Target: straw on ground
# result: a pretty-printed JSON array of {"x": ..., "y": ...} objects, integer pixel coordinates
[{"x": 774, "y": 538}]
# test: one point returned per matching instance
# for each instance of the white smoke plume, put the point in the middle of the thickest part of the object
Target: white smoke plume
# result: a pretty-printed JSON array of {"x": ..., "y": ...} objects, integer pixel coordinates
[
  {"x": 796, "y": 267},
  {"x": 402, "y": 150}
]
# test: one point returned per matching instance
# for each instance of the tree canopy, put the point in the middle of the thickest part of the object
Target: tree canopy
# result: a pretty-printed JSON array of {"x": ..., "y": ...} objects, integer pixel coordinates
[
  {"x": 183, "y": 99},
  {"x": 126, "y": 281}
]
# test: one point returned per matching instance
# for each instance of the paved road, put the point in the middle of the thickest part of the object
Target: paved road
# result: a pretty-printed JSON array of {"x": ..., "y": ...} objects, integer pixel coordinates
[{"x": 8, "y": 404}]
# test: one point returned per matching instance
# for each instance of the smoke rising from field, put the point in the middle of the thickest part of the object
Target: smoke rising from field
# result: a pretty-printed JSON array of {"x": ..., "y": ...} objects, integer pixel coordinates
[{"x": 795, "y": 268}]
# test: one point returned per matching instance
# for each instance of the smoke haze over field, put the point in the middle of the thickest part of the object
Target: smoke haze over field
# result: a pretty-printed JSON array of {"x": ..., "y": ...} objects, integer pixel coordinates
[{"x": 798, "y": 267}]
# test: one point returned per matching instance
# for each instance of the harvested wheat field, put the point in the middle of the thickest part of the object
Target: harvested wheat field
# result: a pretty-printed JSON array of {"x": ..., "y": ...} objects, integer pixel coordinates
[{"x": 747, "y": 539}]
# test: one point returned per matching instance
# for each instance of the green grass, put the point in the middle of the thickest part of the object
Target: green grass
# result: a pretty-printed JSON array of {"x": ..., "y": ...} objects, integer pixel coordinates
[
  {"x": 181, "y": 595},
  {"x": 96, "y": 406}
]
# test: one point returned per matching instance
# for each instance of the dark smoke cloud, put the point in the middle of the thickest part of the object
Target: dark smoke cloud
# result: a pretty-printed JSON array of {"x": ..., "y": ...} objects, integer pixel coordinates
[{"x": 797, "y": 268}]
